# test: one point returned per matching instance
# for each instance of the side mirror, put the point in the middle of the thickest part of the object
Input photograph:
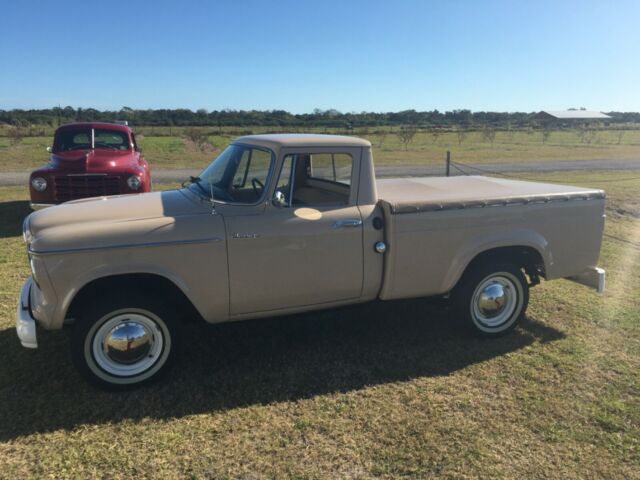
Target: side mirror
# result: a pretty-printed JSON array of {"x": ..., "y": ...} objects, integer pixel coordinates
[
  {"x": 279, "y": 200},
  {"x": 49, "y": 149}
]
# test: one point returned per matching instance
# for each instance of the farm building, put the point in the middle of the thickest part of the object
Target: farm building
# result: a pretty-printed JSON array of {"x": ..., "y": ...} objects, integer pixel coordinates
[{"x": 570, "y": 117}]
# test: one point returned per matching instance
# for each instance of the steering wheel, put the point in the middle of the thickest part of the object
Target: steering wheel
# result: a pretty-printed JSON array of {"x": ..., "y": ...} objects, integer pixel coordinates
[{"x": 258, "y": 187}]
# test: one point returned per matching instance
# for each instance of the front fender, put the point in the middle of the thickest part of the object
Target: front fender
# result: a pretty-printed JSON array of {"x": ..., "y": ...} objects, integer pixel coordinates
[{"x": 199, "y": 270}]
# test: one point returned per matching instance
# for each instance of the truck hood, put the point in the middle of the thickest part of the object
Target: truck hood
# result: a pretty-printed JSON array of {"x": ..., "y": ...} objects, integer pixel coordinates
[
  {"x": 122, "y": 220},
  {"x": 89, "y": 161}
]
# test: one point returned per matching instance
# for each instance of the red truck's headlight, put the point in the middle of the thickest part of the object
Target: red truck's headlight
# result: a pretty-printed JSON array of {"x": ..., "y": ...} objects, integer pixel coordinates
[
  {"x": 39, "y": 184},
  {"x": 134, "y": 182}
]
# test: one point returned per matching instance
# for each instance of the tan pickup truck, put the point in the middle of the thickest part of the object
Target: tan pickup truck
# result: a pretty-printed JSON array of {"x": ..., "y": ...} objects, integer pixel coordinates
[{"x": 279, "y": 224}]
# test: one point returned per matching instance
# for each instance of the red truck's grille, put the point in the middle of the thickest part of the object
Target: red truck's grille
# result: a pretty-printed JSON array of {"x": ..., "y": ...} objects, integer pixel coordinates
[{"x": 72, "y": 187}]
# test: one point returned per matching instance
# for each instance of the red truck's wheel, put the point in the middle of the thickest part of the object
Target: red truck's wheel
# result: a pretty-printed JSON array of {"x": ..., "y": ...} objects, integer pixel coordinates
[
  {"x": 490, "y": 299},
  {"x": 124, "y": 341}
]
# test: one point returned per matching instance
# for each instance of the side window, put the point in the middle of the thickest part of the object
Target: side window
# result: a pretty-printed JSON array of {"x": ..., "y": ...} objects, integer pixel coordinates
[
  {"x": 315, "y": 179},
  {"x": 333, "y": 167}
]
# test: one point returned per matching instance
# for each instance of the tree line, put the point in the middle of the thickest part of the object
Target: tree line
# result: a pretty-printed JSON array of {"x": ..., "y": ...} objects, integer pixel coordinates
[{"x": 277, "y": 118}]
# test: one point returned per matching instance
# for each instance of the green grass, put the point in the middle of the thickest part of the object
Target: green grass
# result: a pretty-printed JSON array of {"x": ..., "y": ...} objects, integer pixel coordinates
[
  {"x": 385, "y": 390},
  {"x": 164, "y": 151}
]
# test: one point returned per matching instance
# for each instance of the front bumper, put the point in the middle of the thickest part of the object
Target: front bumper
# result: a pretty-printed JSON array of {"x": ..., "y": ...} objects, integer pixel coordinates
[
  {"x": 593, "y": 277},
  {"x": 25, "y": 323}
]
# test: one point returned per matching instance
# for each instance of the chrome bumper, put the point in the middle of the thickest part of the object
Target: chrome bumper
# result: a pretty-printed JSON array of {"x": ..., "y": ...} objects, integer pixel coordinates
[
  {"x": 593, "y": 277},
  {"x": 40, "y": 206},
  {"x": 25, "y": 323}
]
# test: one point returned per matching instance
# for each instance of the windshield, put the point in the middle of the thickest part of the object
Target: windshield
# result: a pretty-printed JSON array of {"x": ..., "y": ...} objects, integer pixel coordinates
[
  {"x": 238, "y": 175},
  {"x": 80, "y": 139}
]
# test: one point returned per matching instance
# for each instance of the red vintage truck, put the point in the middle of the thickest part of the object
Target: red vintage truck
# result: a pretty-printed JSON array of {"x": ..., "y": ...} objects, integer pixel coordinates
[{"x": 90, "y": 160}]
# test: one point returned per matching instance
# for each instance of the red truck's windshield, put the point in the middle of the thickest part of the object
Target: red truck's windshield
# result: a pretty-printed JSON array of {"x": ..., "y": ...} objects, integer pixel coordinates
[{"x": 80, "y": 139}]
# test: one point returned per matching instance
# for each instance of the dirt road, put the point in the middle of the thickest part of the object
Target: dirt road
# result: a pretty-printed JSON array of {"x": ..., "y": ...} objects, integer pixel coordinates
[{"x": 176, "y": 176}]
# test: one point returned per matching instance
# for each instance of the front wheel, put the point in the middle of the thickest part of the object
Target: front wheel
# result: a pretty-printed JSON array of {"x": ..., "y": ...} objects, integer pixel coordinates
[
  {"x": 490, "y": 299},
  {"x": 124, "y": 341}
]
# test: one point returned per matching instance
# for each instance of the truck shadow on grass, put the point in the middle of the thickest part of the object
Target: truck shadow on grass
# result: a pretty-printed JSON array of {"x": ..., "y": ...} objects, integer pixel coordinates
[
  {"x": 12, "y": 215},
  {"x": 222, "y": 367}
]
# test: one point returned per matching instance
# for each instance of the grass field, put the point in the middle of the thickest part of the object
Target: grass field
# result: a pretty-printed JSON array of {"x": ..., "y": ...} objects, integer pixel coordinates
[
  {"x": 169, "y": 152},
  {"x": 382, "y": 390}
]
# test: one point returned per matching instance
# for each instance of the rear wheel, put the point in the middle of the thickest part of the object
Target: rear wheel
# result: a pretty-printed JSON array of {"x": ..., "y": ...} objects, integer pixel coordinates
[
  {"x": 124, "y": 341},
  {"x": 490, "y": 299}
]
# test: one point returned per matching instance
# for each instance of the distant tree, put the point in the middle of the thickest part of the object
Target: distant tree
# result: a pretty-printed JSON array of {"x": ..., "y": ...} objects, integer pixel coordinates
[
  {"x": 461, "y": 134},
  {"x": 15, "y": 135},
  {"x": 201, "y": 116},
  {"x": 280, "y": 120},
  {"x": 586, "y": 134},
  {"x": 406, "y": 134},
  {"x": 198, "y": 137},
  {"x": 489, "y": 134}
]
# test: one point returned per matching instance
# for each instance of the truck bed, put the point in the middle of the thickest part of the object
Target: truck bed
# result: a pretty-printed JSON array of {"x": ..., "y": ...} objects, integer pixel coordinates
[
  {"x": 409, "y": 195},
  {"x": 434, "y": 227}
]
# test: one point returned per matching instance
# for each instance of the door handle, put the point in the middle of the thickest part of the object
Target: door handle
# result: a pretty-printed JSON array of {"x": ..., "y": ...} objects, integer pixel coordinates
[{"x": 347, "y": 223}]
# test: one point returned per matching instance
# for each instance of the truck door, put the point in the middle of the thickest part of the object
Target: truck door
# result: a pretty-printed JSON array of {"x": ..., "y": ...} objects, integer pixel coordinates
[{"x": 305, "y": 248}]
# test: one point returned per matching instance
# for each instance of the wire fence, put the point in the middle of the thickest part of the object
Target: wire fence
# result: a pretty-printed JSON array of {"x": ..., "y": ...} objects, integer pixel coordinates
[{"x": 464, "y": 169}]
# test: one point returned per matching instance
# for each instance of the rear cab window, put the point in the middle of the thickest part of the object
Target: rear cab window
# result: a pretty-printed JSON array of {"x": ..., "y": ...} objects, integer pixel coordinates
[{"x": 316, "y": 179}]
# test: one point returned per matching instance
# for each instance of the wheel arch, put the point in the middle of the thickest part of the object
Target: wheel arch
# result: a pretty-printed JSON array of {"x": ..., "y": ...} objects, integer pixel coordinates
[
  {"x": 527, "y": 257},
  {"x": 142, "y": 282}
]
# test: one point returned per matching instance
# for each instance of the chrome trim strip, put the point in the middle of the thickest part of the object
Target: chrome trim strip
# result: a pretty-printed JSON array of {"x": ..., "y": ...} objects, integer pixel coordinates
[
  {"x": 127, "y": 245},
  {"x": 85, "y": 175},
  {"x": 347, "y": 223}
]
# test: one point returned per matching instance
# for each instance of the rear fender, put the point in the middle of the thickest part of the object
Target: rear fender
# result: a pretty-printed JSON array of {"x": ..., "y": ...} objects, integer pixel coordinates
[{"x": 477, "y": 245}]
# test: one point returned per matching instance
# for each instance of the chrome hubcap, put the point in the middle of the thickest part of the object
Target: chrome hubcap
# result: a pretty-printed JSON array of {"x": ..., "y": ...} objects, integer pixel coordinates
[
  {"x": 495, "y": 301},
  {"x": 127, "y": 344}
]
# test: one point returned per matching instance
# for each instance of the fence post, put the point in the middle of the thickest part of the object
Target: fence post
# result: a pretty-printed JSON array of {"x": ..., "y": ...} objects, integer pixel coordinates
[{"x": 448, "y": 163}]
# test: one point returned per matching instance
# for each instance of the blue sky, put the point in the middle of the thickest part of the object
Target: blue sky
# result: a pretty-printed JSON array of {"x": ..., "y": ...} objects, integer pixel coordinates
[{"x": 299, "y": 55}]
